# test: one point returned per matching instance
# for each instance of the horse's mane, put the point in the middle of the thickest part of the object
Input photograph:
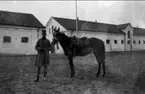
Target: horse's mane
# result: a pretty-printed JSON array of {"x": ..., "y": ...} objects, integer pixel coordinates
[
  {"x": 66, "y": 39},
  {"x": 65, "y": 36}
]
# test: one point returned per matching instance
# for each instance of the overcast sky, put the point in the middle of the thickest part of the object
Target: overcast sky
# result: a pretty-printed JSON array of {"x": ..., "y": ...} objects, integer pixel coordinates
[{"x": 113, "y": 12}]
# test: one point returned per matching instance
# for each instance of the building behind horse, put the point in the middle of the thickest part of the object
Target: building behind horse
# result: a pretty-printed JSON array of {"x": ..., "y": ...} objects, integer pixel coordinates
[{"x": 122, "y": 37}]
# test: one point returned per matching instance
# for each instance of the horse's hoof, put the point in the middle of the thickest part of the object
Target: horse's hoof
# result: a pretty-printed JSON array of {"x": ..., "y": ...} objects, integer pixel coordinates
[
  {"x": 37, "y": 80},
  {"x": 103, "y": 76},
  {"x": 97, "y": 75},
  {"x": 44, "y": 78},
  {"x": 72, "y": 76}
]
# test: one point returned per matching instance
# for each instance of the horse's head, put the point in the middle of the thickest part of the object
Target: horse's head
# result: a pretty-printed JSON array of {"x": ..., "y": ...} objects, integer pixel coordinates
[
  {"x": 57, "y": 35},
  {"x": 54, "y": 40},
  {"x": 60, "y": 37}
]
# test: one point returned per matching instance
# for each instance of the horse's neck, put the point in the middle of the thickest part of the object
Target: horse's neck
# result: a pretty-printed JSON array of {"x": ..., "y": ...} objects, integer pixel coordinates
[
  {"x": 63, "y": 46},
  {"x": 65, "y": 43}
]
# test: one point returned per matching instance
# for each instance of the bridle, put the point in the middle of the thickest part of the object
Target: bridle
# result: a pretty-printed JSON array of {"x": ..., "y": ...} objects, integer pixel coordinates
[{"x": 54, "y": 40}]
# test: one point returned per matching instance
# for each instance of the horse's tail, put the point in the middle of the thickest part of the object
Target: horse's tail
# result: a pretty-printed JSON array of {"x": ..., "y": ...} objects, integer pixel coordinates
[{"x": 103, "y": 50}]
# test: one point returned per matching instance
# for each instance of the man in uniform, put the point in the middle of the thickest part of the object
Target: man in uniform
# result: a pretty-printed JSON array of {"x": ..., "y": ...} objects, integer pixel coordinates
[{"x": 43, "y": 46}]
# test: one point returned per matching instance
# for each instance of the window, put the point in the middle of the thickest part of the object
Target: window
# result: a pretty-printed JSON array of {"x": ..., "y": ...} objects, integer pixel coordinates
[
  {"x": 128, "y": 41},
  {"x": 143, "y": 41},
  {"x": 139, "y": 42},
  {"x": 6, "y": 39},
  {"x": 24, "y": 39},
  {"x": 107, "y": 41},
  {"x": 115, "y": 41},
  {"x": 134, "y": 41},
  {"x": 122, "y": 41},
  {"x": 128, "y": 34}
]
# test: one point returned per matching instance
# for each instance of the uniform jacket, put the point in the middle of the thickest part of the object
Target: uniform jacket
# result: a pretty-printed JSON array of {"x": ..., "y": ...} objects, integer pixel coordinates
[{"x": 43, "y": 47}]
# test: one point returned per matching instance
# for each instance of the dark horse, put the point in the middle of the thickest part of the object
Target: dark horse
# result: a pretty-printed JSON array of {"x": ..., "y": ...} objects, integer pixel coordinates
[{"x": 96, "y": 46}]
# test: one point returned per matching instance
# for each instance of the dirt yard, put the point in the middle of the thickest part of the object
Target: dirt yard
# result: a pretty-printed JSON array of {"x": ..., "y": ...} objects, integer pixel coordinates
[{"x": 125, "y": 75}]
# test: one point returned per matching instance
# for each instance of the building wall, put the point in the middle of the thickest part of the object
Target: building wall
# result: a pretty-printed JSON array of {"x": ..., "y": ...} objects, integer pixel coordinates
[
  {"x": 137, "y": 45},
  {"x": 16, "y": 46}
]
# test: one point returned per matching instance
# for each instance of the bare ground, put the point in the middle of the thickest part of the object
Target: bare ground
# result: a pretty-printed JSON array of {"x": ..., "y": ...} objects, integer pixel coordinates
[{"x": 125, "y": 75}]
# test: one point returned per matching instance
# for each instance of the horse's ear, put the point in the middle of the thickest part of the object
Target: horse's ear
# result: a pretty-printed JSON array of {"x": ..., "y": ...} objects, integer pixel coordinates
[
  {"x": 58, "y": 29},
  {"x": 55, "y": 30}
]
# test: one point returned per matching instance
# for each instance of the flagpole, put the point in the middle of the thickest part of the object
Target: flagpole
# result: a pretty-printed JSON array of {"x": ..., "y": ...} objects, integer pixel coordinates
[{"x": 76, "y": 18}]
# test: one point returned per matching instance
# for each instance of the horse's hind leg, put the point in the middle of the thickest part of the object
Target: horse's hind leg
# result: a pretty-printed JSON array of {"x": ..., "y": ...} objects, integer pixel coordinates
[
  {"x": 99, "y": 67},
  {"x": 100, "y": 60},
  {"x": 71, "y": 67},
  {"x": 99, "y": 64},
  {"x": 104, "y": 69}
]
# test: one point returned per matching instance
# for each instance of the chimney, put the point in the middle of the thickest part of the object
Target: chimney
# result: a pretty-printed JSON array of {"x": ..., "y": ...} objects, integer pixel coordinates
[{"x": 96, "y": 21}]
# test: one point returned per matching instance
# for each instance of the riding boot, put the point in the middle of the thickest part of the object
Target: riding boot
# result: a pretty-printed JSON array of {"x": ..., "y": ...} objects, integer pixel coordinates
[
  {"x": 45, "y": 73},
  {"x": 38, "y": 73}
]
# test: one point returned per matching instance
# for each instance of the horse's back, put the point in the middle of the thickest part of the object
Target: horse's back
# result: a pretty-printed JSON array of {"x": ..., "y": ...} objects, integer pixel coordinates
[
  {"x": 96, "y": 42},
  {"x": 98, "y": 47}
]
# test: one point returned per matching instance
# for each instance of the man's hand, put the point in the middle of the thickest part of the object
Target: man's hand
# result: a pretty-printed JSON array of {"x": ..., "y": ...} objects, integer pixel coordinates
[{"x": 42, "y": 50}]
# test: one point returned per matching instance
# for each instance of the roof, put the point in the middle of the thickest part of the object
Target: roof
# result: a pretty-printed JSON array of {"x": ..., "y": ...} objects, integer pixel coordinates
[
  {"x": 123, "y": 26},
  {"x": 100, "y": 27},
  {"x": 19, "y": 19},
  {"x": 70, "y": 24},
  {"x": 138, "y": 31}
]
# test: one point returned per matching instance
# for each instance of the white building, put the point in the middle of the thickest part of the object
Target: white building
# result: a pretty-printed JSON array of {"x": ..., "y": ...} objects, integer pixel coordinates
[
  {"x": 18, "y": 32},
  {"x": 121, "y": 37}
]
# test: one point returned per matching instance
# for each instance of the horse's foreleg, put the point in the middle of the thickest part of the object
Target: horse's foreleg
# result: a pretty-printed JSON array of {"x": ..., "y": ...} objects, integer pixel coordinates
[
  {"x": 71, "y": 67},
  {"x": 38, "y": 73}
]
